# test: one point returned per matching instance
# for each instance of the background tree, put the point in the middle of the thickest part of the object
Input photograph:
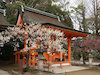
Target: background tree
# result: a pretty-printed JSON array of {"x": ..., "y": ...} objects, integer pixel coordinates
[
  {"x": 88, "y": 46},
  {"x": 80, "y": 15},
  {"x": 12, "y": 11},
  {"x": 79, "y": 51},
  {"x": 96, "y": 16},
  {"x": 64, "y": 16},
  {"x": 44, "y": 5},
  {"x": 2, "y": 4}
]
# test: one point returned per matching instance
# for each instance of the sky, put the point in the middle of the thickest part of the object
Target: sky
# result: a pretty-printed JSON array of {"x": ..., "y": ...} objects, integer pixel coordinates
[{"x": 75, "y": 3}]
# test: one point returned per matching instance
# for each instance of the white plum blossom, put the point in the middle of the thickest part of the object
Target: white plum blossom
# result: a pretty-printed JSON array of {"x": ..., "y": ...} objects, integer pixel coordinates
[{"x": 35, "y": 32}]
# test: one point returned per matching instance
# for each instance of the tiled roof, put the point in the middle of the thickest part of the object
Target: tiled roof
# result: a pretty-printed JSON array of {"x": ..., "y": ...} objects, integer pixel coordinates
[
  {"x": 3, "y": 19},
  {"x": 38, "y": 11},
  {"x": 31, "y": 17}
]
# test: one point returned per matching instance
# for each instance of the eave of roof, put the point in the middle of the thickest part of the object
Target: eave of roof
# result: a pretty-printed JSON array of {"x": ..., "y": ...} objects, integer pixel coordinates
[
  {"x": 38, "y": 11},
  {"x": 6, "y": 25},
  {"x": 3, "y": 11},
  {"x": 66, "y": 28}
]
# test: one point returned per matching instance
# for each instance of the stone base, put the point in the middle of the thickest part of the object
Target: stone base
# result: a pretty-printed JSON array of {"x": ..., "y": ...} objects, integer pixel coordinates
[
  {"x": 63, "y": 69},
  {"x": 59, "y": 69}
]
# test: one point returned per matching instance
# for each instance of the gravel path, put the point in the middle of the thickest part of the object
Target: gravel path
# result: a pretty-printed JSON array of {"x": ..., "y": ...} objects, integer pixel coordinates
[{"x": 2, "y": 72}]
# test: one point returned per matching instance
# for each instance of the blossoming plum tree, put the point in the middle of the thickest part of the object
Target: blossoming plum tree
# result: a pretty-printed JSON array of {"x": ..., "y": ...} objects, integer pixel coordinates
[
  {"x": 35, "y": 32},
  {"x": 88, "y": 45}
]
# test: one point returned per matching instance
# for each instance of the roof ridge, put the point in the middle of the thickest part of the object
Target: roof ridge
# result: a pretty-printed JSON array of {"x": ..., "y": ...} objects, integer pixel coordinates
[
  {"x": 38, "y": 11},
  {"x": 3, "y": 11}
]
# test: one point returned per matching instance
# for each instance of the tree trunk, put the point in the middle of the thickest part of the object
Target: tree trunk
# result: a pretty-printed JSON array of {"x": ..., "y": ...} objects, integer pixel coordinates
[
  {"x": 27, "y": 64},
  {"x": 83, "y": 55},
  {"x": 84, "y": 59}
]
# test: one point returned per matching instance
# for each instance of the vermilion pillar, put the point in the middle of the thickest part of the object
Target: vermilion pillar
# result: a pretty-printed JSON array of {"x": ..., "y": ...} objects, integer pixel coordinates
[
  {"x": 23, "y": 59},
  {"x": 15, "y": 58},
  {"x": 18, "y": 58},
  {"x": 50, "y": 55},
  {"x": 29, "y": 62},
  {"x": 69, "y": 50},
  {"x": 33, "y": 60},
  {"x": 50, "y": 45}
]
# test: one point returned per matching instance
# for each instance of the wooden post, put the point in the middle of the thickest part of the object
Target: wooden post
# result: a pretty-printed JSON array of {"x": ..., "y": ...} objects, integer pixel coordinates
[
  {"x": 23, "y": 59},
  {"x": 18, "y": 58},
  {"x": 69, "y": 50},
  {"x": 29, "y": 60},
  {"x": 50, "y": 54},
  {"x": 15, "y": 58},
  {"x": 33, "y": 60},
  {"x": 60, "y": 55},
  {"x": 25, "y": 45},
  {"x": 50, "y": 45}
]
